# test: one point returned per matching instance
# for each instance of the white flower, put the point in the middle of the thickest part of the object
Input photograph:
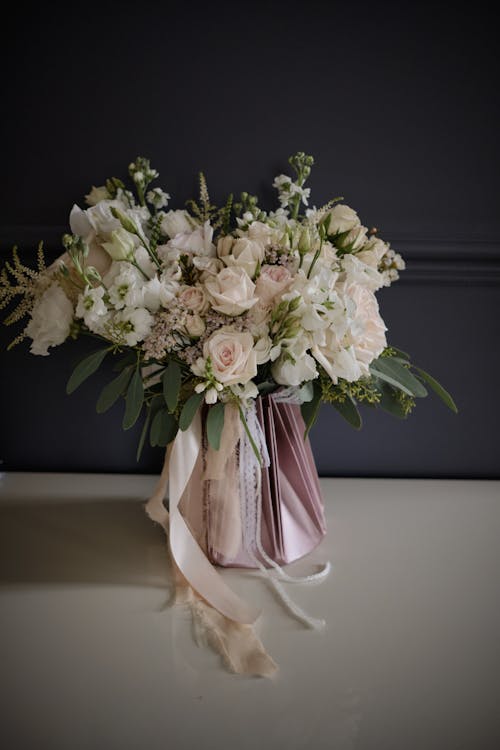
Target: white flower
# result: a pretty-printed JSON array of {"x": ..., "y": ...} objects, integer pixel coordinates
[
  {"x": 294, "y": 366},
  {"x": 96, "y": 195},
  {"x": 207, "y": 266},
  {"x": 176, "y": 222},
  {"x": 367, "y": 330},
  {"x": 197, "y": 242},
  {"x": 193, "y": 298},
  {"x": 272, "y": 282},
  {"x": 232, "y": 356},
  {"x": 245, "y": 253},
  {"x": 342, "y": 219},
  {"x": 143, "y": 260},
  {"x": 158, "y": 197},
  {"x": 126, "y": 287},
  {"x": 372, "y": 252},
  {"x": 260, "y": 232},
  {"x": 157, "y": 293},
  {"x": 355, "y": 239},
  {"x": 262, "y": 348},
  {"x": 121, "y": 245},
  {"x": 194, "y": 325},
  {"x": 51, "y": 320},
  {"x": 336, "y": 360},
  {"x": 134, "y": 324},
  {"x": 79, "y": 222},
  {"x": 102, "y": 220},
  {"x": 232, "y": 291},
  {"x": 360, "y": 273},
  {"x": 92, "y": 308}
]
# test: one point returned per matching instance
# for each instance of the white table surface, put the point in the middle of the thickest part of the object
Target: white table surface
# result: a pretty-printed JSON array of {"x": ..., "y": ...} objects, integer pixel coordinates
[{"x": 92, "y": 658}]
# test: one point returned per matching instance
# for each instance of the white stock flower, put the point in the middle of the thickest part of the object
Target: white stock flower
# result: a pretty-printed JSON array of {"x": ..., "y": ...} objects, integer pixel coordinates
[
  {"x": 294, "y": 366},
  {"x": 126, "y": 286},
  {"x": 232, "y": 356},
  {"x": 342, "y": 219},
  {"x": 134, "y": 324},
  {"x": 158, "y": 197},
  {"x": 51, "y": 320},
  {"x": 176, "y": 222},
  {"x": 232, "y": 291},
  {"x": 96, "y": 195},
  {"x": 92, "y": 308}
]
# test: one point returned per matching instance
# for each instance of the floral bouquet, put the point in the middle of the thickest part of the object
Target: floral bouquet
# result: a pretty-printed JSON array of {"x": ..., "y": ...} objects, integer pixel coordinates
[{"x": 232, "y": 325}]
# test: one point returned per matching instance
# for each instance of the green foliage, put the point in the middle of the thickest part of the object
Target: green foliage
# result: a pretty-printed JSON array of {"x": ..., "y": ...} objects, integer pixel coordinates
[
  {"x": 85, "y": 369},
  {"x": 310, "y": 409},
  {"x": 171, "y": 379},
  {"x": 163, "y": 428},
  {"x": 133, "y": 400},
  {"x": 113, "y": 390},
  {"x": 189, "y": 410},
  {"x": 349, "y": 411},
  {"x": 215, "y": 424}
]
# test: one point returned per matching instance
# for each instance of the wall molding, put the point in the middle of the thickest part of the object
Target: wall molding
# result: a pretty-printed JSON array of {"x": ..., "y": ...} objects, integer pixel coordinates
[{"x": 431, "y": 259}]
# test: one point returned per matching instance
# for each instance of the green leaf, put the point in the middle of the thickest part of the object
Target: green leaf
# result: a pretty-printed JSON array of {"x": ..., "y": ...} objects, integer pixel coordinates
[
  {"x": 349, "y": 411},
  {"x": 215, "y": 425},
  {"x": 163, "y": 428},
  {"x": 128, "y": 359},
  {"x": 171, "y": 379},
  {"x": 438, "y": 389},
  {"x": 85, "y": 369},
  {"x": 400, "y": 353},
  {"x": 398, "y": 375},
  {"x": 389, "y": 402},
  {"x": 144, "y": 432},
  {"x": 133, "y": 401},
  {"x": 310, "y": 409},
  {"x": 189, "y": 410},
  {"x": 112, "y": 391}
]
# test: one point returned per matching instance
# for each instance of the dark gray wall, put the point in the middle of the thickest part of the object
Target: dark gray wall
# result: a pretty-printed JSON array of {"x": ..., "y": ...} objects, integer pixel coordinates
[{"x": 397, "y": 102}]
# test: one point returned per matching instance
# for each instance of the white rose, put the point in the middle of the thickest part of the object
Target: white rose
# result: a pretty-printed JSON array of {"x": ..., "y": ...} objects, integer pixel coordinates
[
  {"x": 355, "y": 239},
  {"x": 232, "y": 356},
  {"x": 51, "y": 320},
  {"x": 262, "y": 349},
  {"x": 194, "y": 325},
  {"x": 193, "y": 298},
  {"x": 372, "y": 252},
  {"x": 176, "y": 222},
  {"x": 294, "y": 366},
  {"x": 272, "y": 282},
  {"x": 207, "y": 266},
  {"x": 342, "y": 219},
  {"x": 232, "y": 291},
  {"x": 245, "y": 253},
  {"x": 121, "y": 245},
  {"x": 96, "y": 195}
]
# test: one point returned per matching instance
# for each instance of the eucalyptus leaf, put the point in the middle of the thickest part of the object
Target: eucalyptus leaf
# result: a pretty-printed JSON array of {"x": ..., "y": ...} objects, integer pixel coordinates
[
  {"x": 438, "y": 389},
  {"x": 129, "y": 359},
  {"x": 85, "y": 369},
  {"x": 112, "y": 391},
  {"x": 389, "y": 402},
  {"x": 349, "y": 411},
  {"x": 398, "y": 375},
  {"x": 133, "y": 401},
  {"x": 163, "y": 428},
  {"x": 171, "y": 379},
  {"x": 215, "y": 424},
  {"x": 189, "y": 410}
]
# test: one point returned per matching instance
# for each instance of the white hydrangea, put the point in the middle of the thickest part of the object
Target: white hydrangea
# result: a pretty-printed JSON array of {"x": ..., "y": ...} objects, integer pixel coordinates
[{"x": 51, "y": 320}]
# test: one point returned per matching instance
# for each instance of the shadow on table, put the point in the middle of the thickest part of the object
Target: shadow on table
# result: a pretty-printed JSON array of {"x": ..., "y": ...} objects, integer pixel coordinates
[{"x": 87, "y": 542}]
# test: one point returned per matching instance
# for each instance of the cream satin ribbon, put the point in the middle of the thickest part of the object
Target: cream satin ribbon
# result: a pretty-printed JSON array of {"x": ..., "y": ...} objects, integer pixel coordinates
[{"x": 180, "y": 460}]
